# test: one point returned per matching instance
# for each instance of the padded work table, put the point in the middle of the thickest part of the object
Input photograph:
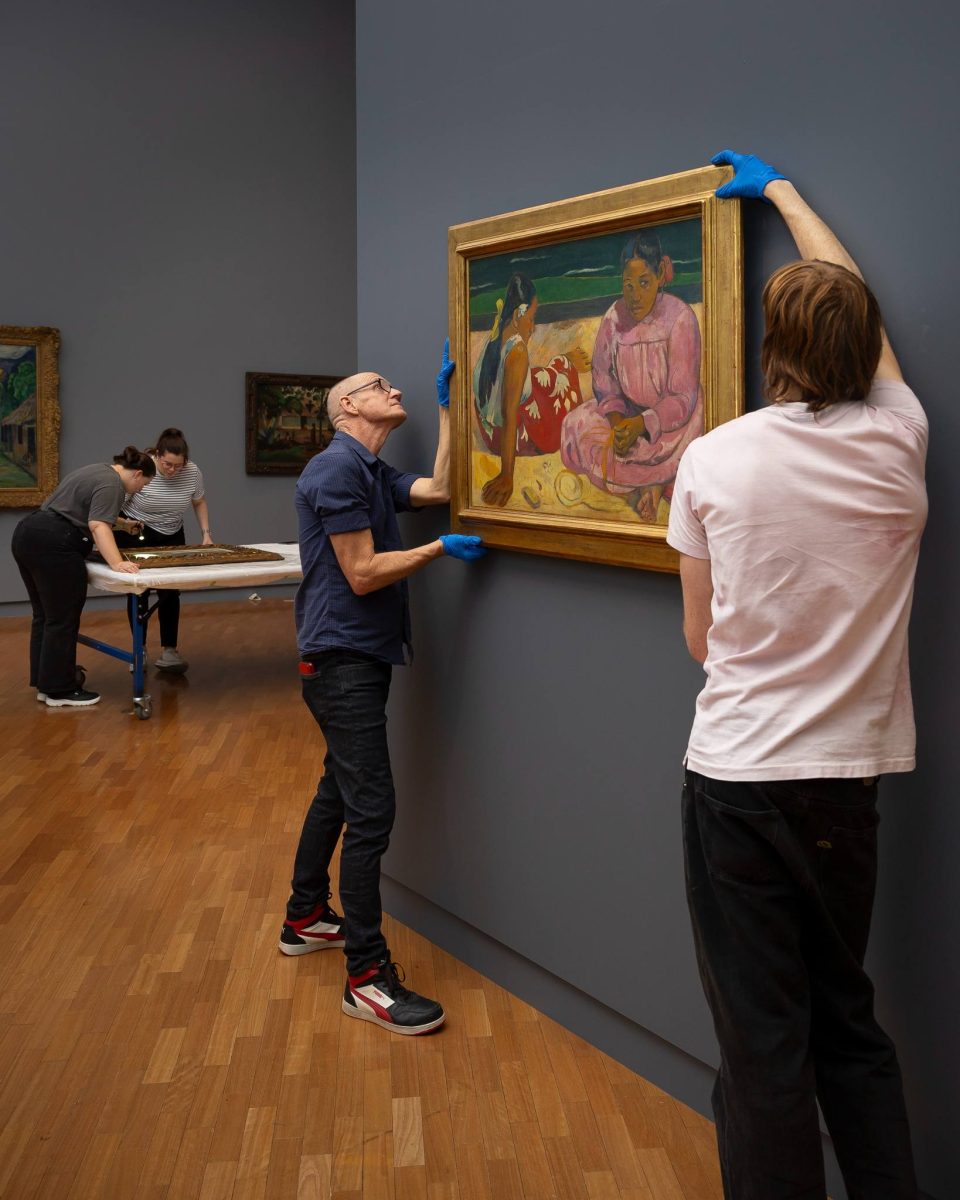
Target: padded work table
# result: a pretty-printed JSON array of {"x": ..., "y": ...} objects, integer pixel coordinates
[{"x": 101, "y": 578}]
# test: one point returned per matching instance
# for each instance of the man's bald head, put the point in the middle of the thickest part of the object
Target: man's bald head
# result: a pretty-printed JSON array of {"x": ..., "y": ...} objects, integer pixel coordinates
[{"x": 343, "y": 388}]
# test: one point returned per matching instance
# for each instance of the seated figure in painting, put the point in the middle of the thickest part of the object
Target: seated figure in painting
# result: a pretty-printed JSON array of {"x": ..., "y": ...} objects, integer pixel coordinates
[
  {"x": 648, "y": 402},
  {"x": 521, "y": 410}
]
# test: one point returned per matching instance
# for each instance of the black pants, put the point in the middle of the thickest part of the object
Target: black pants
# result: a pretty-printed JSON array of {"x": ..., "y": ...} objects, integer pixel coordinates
[
  {"x": 51, "y": 553},
  {"x": 168, "y": 600},
  {"x": 780, "y": 883},
  {"x": 347, "y": 696}
]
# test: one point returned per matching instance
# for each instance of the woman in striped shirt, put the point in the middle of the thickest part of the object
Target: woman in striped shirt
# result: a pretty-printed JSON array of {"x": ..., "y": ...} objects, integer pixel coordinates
[{"x": 157, "y": 512}]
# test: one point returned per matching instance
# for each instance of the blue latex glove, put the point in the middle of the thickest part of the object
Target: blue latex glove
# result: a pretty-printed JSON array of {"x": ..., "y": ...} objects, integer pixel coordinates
[
  {"x": 752, "y": 176},
  {"x": 467, "y": 547},
  {"x": 443, "y": 379}
]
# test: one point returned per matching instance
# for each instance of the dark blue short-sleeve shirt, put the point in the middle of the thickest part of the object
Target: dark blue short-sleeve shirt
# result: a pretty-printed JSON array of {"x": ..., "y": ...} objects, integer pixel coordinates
[{"x": 343, "y": 489}]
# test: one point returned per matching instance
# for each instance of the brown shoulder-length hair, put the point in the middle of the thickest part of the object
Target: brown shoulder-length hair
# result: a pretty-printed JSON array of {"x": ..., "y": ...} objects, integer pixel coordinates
[{"x": 822, "y": 334}]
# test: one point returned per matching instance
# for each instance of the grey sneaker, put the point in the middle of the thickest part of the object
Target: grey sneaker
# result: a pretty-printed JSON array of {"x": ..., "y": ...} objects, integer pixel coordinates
[{"x": 171, "y": 661}]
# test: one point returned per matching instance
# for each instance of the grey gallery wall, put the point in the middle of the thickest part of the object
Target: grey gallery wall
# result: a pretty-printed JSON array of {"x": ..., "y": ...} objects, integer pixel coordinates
[
  {"x": 539, "y": 734},
  {"x": 182, "y": 197},
  {"x": 179, "y": 200}
]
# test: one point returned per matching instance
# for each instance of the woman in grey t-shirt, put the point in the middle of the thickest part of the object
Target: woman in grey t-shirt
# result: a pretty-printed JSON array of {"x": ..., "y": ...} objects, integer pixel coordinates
[{"x": 51, "y": 547}]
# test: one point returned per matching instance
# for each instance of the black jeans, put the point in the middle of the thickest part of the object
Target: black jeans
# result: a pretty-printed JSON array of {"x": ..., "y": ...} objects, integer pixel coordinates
[
  {"x": 780, "y": 883},
  {"x": 347, "y": 696},
  {"x": 168, "y": 600},
  {"x": 51, "y": 553}
]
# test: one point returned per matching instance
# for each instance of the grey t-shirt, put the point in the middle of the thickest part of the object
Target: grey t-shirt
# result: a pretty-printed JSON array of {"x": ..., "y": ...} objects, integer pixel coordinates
[{"x": 93, "y": 493}]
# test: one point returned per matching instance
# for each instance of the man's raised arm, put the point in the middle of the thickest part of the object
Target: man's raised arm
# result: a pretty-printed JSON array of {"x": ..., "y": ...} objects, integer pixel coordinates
[
  {"x": 758, "y": 180},
  {"x": 436, "y": 488}
]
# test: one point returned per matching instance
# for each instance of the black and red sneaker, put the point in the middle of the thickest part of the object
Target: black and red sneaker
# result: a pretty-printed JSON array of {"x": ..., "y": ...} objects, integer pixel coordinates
[
  {"x": 322, "y": 930},
  {"x": 378, "y": 995}
]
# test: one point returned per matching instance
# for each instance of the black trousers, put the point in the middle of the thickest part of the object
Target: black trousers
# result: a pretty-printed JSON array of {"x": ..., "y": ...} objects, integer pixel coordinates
[
  {"x": 51, "y": 553},
  {"x": 780, "y": 883},
  {"x": 347, "y": 696},
  {"x": 168, "y": 600}
]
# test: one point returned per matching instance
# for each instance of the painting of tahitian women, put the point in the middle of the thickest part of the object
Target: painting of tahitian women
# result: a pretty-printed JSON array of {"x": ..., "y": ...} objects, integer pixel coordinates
[{"x": 593, "y": 362}]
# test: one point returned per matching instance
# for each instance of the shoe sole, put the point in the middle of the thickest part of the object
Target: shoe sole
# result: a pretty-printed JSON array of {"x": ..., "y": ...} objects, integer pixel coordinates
[
  {"x": 366, "y": 1014},
  {"x": 309, "y": 947},
  {"x": 42, "y": 697},
  {"x": 173, "y": 668},
  {"x": 71, "y": 703}
]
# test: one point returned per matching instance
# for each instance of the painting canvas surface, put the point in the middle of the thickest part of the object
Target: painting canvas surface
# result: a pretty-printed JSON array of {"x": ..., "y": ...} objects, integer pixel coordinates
[{"x": 586, "y": 373}]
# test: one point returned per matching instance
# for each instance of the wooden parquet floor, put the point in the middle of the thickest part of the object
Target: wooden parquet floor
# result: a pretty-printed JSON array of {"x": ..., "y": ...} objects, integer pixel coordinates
[{"x": 154, "y": 1044}]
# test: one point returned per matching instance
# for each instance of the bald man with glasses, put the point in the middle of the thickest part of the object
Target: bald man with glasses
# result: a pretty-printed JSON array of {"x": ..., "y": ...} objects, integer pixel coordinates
[{"x": 353, "y": 628}]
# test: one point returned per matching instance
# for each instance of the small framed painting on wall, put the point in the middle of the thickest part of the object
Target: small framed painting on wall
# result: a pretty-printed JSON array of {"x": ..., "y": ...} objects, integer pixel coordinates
[
  {"x": 29, "y": 414},
  {"x": 287, "y": 422}
]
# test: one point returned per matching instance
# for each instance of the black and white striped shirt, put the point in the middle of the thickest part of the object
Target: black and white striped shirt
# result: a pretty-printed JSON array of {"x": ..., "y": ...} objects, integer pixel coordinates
[{"x": 164, "y": 500}]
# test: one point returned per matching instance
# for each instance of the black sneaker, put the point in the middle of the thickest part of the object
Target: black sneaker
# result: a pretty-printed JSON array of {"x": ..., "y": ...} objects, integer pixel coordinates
[
  {"x": 322, "y": 930},
  {"x": 378, "y": 995},
  {"x": 79, "y": 679},
  {"x": 78, "y": 698}
]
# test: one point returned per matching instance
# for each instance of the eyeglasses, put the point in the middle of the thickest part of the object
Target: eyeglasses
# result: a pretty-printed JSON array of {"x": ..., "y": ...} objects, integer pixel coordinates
[{"x": 382, "y": 384}]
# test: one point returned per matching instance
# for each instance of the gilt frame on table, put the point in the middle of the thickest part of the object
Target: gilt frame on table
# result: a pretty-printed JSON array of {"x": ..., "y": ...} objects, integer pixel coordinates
[{"x": 215, "y": 555}]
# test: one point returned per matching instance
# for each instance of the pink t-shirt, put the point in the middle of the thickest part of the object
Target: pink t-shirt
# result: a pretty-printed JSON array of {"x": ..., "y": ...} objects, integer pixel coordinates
[{"x": 812, "y": 525}]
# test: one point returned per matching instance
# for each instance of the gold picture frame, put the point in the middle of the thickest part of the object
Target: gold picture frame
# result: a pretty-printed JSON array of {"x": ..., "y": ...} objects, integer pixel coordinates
[
  {"x": 216, "y": 555},
  {"x": 526, "y": 285},
  {"x": 29, "y": 414}
]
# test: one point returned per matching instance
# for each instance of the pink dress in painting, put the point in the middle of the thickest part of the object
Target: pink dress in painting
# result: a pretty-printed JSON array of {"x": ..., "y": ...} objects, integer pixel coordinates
[{"x": 649, "y": 368}]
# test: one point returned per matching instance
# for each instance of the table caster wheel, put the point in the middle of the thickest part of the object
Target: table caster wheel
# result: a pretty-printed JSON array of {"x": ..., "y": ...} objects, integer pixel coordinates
[{"x": 143, "y": 709}]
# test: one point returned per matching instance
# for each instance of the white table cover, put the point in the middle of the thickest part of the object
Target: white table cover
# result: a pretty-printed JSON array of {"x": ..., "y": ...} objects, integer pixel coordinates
[{"x": 102, "y": 578}]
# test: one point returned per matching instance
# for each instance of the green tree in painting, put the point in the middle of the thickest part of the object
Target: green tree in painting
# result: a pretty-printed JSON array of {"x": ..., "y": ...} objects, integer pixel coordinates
[
  {"x": 313, "y": 410},
  {"x": 23, "y": 382},
  {"x": 272, "y": 406}
]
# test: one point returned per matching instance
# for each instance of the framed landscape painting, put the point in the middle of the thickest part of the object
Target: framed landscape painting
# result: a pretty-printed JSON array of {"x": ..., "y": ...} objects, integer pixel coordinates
[
  {"x": 29, "y": 414},
  {"x": 287, "y": 422},
  {"x": 596, "y": 337}
]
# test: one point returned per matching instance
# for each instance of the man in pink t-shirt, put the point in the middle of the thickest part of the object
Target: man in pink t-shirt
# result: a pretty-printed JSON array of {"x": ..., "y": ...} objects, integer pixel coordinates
[{"x": 798, "y": 528}]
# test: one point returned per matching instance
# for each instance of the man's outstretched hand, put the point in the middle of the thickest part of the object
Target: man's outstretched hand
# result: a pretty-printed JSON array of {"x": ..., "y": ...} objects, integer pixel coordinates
[
  {"x": 467, "y": 547},
  {"x": 752, "y": 176}
]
